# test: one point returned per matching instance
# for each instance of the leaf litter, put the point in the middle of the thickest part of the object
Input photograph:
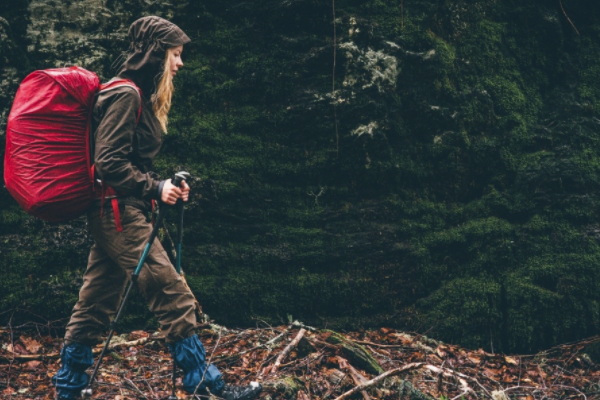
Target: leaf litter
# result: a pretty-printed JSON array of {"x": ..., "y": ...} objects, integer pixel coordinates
[{"x": 301, "y": 363}]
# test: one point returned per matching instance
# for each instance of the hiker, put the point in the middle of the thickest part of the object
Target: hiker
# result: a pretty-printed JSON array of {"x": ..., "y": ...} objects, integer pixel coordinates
[{"x": 123, "y": 148}]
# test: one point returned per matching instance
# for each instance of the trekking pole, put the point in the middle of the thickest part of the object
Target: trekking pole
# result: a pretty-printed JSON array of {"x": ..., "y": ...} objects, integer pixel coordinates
[
  {"x": 87, "y": 391},
  {"x": 180, "y": 209}
]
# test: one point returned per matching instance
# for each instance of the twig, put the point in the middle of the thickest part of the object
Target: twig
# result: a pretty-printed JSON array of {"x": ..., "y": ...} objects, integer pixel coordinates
[
  {"x": 207, "y": 365},
  {"x": 356, "y": 377},
  {"x": 289, "y": 348},
  {"x": 387, "y": 358},
  {"x": 134, "y": 387},
  {"x": 30, "y": 357},
  {"x": 12, "y": 342},
  {"x": 337, "y": 135},
  {"x": 265, "y": 370},
  {"x": 402, "y": 11},
  {"x": 148, "y": 384},
  {"x": 324, "y": 344},
  {"x": 299, "y": 324},
  {"x": 267, "y": 344},
  {"x": 379, "y": 378},
  {"x": 136, "y": 342},
  {"x": 334, "y": 47},
  {"x": 383, "y": 346},
  {"x": 573, "y": 389},
  {"x": 568, "y": 19},
  {"x": 462, "y": 378}
]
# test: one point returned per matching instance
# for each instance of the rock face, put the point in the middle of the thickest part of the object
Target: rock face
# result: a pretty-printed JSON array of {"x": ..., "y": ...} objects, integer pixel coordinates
[
  {"x": 54, "y": 34},
  {"x": 422, "y": 164}
]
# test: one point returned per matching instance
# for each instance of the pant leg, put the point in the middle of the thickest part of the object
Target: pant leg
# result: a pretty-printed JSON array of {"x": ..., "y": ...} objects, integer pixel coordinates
[
  {"x": 103, "y": 285},
  {"x": 166, "y": 293}
]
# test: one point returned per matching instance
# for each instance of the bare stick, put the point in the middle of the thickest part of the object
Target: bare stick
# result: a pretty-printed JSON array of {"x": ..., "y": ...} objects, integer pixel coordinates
[
  {"x": 267, "y": 344},
  {"x": 356, "y": 376},
  {"x": 568, "y": 19},
  {"x": 289, "y": 348},
  {"x": 573, "y": 389},
  {"x": 402, "y": 12},
  {"x": 324, "y": 344},
  {"x": 299, "y": 324},
  {"x": 30, "y": 357},
  {"x": 134, "y": 387},
  {"x": 337, "y": 135},
  {"x": 462, "y": 378},
  {"x": 12, "y": 344},
  {"x": 207, "y": 365},
  {"x": 377, "y": 379},
  {"x": 382, "y": 346}
]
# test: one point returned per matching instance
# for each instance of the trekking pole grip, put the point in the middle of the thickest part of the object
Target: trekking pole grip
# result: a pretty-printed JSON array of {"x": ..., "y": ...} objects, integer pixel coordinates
[{"x": 179, "y": 177}]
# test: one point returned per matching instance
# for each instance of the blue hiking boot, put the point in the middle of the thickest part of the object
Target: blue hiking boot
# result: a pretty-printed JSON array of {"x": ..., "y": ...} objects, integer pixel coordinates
[
  {"x": 190, "y": 356},
  {"x": 71, "y": 377}
]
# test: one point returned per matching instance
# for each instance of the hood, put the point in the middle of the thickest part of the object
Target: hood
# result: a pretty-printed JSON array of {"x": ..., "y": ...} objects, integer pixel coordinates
[{"x": 149, "y": 39}]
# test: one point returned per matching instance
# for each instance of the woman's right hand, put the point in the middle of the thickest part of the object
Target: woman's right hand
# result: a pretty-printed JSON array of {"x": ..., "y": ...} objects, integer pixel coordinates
[{"x": 170, "y": 193}]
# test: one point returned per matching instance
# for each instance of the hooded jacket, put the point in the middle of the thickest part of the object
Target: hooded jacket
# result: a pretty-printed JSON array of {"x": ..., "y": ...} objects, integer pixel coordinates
[{"x": 124, "y": 150}]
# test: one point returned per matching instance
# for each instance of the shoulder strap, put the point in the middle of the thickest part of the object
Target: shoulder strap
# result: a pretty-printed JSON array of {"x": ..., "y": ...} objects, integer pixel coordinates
[{"x": 116, "y": 83}]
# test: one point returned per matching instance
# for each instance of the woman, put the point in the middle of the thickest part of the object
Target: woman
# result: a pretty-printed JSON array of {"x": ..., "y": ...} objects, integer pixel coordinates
[{"x": 128, "y": 128}]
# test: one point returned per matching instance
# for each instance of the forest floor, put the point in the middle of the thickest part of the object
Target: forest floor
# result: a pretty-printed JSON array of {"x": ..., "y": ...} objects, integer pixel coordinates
[{"x": 299, "y": 362}]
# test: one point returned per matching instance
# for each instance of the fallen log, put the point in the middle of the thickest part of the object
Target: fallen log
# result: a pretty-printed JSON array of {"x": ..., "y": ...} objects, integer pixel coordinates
[{"x": 356, "y": 354}]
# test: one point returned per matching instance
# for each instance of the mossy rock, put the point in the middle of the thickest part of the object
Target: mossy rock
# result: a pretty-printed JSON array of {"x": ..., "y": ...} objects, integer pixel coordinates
[
  {"x": 403, "y": 389},
  {"x": 286, "y": 386},
  {"x": 356, "y": 354}
]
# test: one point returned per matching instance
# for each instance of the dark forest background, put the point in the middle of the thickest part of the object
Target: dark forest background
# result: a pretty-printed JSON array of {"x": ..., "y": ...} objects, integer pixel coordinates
[{"x": 429, "y": 165}]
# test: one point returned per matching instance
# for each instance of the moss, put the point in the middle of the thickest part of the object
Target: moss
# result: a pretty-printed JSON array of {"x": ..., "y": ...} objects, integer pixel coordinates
[
  {"x": 356, "y": 353},
  {"x": 471, "y": 210},
  {"x": 287, "y": 387}
]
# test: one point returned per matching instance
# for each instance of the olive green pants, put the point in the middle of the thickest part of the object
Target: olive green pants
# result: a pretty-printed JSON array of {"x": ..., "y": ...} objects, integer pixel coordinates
[{"x": 113, "y": 258}]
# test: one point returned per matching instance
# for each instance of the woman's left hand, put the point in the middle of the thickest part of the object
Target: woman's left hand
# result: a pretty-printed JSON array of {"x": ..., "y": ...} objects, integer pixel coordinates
[{"x": 185, "y": 191}]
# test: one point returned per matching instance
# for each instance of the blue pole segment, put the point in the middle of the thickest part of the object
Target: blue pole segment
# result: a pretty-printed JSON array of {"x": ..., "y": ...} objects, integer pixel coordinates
[{"x": 142, "y": 259}]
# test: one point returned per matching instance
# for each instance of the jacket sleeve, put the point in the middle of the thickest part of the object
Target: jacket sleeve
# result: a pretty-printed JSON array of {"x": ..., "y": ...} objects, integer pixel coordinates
[{"x": 113, "y": 143}]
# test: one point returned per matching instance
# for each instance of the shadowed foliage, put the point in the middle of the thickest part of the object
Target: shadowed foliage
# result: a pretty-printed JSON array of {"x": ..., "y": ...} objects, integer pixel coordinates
[{"x": 443, "y": 177}]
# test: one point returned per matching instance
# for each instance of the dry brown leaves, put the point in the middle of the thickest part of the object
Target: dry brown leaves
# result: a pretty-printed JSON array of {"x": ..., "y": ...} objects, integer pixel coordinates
[{"x": 314, "y": 369}]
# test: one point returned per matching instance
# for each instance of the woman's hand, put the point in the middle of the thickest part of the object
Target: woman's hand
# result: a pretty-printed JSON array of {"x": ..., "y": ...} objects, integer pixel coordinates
[{"x": 170, "y": 193}]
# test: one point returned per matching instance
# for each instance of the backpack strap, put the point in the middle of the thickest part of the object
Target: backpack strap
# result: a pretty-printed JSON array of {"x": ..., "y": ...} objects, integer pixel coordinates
[{"x": 116, "y": 83}]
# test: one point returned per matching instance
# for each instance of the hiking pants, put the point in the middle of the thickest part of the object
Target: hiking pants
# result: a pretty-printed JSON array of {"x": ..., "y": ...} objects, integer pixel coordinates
[{"x": 113, "y": 258}]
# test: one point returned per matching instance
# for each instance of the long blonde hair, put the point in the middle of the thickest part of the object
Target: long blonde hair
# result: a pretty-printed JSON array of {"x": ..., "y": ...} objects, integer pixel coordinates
[{"x": 161, "y": 99}]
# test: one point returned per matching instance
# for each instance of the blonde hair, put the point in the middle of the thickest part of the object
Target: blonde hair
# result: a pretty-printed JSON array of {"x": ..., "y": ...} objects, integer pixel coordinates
[{"x": 161, "y": 99}]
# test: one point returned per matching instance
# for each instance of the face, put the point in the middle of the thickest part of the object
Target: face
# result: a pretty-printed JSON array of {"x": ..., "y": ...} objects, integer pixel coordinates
[{"x": 175, "y": 59}]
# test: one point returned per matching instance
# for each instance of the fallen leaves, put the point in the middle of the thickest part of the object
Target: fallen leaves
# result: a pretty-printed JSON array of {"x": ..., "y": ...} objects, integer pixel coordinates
[{"x": 310, "y": 367}]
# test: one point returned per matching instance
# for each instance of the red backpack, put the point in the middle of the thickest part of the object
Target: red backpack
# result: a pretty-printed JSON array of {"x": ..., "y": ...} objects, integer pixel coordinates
[{"x": 47, "y": 165}]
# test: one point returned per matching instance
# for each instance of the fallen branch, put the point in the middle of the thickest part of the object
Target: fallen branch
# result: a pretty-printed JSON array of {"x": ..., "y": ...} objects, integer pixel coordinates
[
  {"x": 288, "y": 348},
  {"x": 462, "y": 378},
  {"x": 33, "y": 357},
  {"x": 568, "y": 19},
  {"x": 324, "y": 344},
  {"x": 134, "y": 387},
  {"x": 266, "y": 344},
  {"x": 299, "y": 324},
  {"x": 356, "y": 376},
  {"x": 377, "y": 379},
  {"x": 383, "y": 346}
]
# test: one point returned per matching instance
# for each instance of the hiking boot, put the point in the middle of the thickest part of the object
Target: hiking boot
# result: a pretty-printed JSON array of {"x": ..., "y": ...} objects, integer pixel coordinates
[
  {"x": 231, "y": 392},
  {"x": 71, "y": 377},
  {"x": 190, "y": 356}
]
